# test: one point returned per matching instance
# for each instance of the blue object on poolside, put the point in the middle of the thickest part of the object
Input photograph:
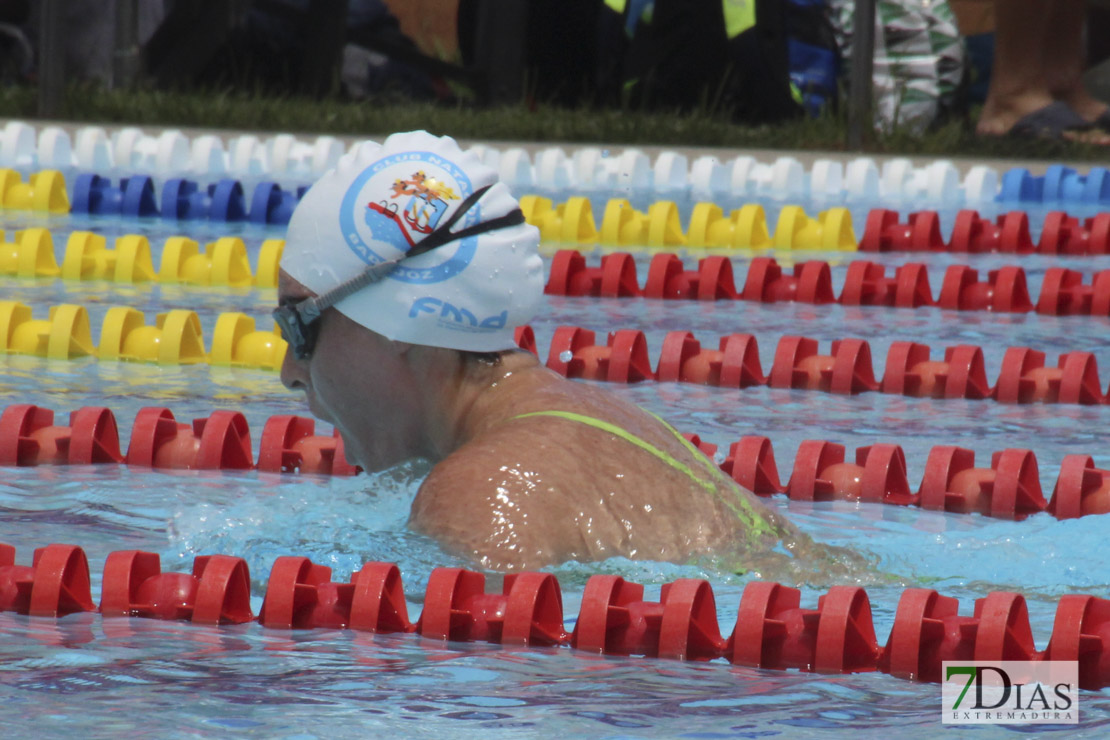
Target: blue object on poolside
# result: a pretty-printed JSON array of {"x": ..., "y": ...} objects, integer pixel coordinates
[
  {"x": 980, "y": 61},
  {"x": 96, "y": 196},
  {"x": 270, "y": 204},
  {"x": 184, "y": 200},
  {"x": 813, "y": 56},
  {"x": 814, "y": 71}
]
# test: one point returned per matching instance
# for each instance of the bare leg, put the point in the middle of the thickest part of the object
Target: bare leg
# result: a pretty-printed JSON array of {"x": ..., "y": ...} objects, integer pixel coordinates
[
  {"x": 1038, "y": 51},
  {"x": 1018, "y": 83},
  {"x": 1065, "y": 58}
]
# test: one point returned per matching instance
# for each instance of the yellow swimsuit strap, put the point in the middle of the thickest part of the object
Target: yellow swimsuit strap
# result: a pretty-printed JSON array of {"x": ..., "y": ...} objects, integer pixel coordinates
[
  {"x": 744, "y": 511},
  {"x": 628, "y": 437},
  {"x": 698, "y": 454}
]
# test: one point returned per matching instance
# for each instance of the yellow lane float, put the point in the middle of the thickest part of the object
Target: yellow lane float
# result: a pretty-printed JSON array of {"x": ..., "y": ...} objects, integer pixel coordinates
[
  {"x": 830, "y": 231},
  {"x": 44, "y": 192},
  {"x": 624, "y": 226},
  {"x": 174, "y": 339},
  {"x": 743, "y": 228},
  {"x": 236, "y": 343},
  {"x": 64, "y": 335},
  {"x": 570, "y": 223},
  {"x": 30, "y": 255},
  {"x": 88, "y": 257},
  {"x": 223, "y": 262}
]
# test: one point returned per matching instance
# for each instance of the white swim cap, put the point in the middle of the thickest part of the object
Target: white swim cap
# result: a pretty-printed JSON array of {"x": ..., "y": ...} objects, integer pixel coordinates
[{"x": 381, "y": 201}]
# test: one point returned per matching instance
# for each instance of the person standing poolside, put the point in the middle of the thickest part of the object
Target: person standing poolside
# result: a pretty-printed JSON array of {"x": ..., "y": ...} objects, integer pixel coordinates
[
  {"x": 405, "y": 271},
  {"x": 1036, "y": 85}
]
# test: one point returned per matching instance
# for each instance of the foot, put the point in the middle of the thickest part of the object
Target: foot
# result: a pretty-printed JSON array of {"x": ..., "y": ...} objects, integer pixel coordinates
[
  {"x": 1091, "y": 108},
  {"x": 1053, "y": 120},
  {"x": 1072, "y": 91},
  {"x": 1000, "y": 113}
]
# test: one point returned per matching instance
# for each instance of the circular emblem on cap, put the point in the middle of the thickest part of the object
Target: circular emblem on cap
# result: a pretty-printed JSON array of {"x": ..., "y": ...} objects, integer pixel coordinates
[{"x": 396, "y": 202}]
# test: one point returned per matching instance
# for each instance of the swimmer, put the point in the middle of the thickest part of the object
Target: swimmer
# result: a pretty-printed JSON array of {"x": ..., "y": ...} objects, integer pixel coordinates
[{"x": 404, "y": 273}]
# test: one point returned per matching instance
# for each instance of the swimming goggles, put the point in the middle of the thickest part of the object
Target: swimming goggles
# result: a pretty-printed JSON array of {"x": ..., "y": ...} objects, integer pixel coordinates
[{"x": 299, "y": 322}]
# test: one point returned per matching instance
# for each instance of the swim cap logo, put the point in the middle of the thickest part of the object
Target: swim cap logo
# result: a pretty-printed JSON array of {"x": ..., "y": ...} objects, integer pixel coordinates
[
  {"x": 455, "y": 317},
  {"x": 425, "y": 207},
  {"x": 399, "y": 200}
]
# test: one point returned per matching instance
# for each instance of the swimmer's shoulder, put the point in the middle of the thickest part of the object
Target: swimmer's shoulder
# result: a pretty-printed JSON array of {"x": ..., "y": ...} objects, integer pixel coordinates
[
  {"x": 545, "y": 461},
  {"x": 505, "y": 499},
  {"x": 514, "y": 456}
]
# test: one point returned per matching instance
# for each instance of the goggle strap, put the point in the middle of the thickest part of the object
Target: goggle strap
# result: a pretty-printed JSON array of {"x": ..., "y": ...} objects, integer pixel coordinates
[
  {"x": 512, "y": 218},
  {"x": 371, "y": 275},
  {"x": 442, "y": 235}
]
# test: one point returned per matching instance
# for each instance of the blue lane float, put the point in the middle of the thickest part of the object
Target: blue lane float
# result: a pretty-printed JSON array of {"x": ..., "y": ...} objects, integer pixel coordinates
[
  {"x": 185, "y": 200},
  {"x": 1059, "y": 184},
  {"x": 270, "y": 204},
  {"x": 96, "y": 196}
]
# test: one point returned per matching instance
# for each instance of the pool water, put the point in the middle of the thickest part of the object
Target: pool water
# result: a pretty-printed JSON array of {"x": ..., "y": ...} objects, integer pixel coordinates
[{"x": 95, "y": 677}]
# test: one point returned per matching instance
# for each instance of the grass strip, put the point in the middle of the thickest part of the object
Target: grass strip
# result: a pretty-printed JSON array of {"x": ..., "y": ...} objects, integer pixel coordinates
[{"x": 536, "y": 123}]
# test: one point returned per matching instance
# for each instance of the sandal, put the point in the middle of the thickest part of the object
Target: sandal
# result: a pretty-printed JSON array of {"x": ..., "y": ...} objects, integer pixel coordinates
[{"x": 1051, "y": 122}]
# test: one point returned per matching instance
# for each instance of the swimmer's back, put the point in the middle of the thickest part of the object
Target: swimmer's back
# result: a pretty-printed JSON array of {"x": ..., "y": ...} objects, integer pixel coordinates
[{"x": 549, "y": 477}]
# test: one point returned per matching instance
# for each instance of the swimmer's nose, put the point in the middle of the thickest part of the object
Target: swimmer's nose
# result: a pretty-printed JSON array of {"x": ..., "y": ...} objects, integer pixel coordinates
[{"x": 293, "y": 373}]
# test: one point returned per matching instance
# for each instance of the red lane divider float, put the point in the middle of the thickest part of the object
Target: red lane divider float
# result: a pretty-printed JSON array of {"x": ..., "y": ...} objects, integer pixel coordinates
[
  {"x": 54, "y": 585},
  {"x": 301, "y": 595},
  {"x": 772, "y": 630},
  {"x": 1004, "y": 290},
  {"x": 615, "y": 619},
  {"x": 846, "y": 367},
  {"x": 1008, "y": 488},
  {"x": 1009, "y": 233},
  {"x": 528, "y": 611},
  {"x": 29, "y": 436},
  {"x": 216, "y": 592}
]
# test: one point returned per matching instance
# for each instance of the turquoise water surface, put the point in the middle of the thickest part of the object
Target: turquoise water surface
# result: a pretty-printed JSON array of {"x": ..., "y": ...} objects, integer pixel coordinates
[{"x": 95, "y": 677}]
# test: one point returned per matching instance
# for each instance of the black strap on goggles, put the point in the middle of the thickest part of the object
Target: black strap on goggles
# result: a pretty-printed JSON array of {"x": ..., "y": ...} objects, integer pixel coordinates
[{"x": 443, "y": 233}]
